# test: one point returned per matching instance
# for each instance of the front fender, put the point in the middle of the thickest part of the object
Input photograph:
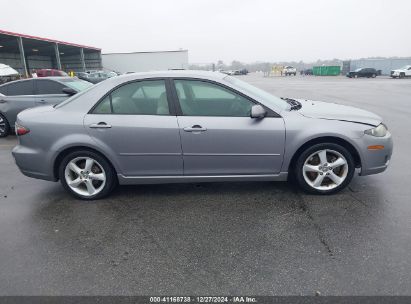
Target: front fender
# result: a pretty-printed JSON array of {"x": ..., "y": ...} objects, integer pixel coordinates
[{"x": 297, "y": 135}]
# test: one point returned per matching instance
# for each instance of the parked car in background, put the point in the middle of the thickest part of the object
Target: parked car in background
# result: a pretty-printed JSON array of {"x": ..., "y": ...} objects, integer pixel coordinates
[
  {"x": 99, "y": 76},
  {"x": 243, "y": 72},
  {"x": 81, "y": 75},
  {"x": 227, "y": 72},
  {"x": 19, "y": 95},
  {"x": 191, "y": 126},
  {"x": 405, "y": 71},
  {"x": 237, "y": 72},
  {"x": 307, "y": 72},
  {"x": 289, "y": 70},
  {"x": 50, "y": 72},
  {"x": 363, "y": 72}
]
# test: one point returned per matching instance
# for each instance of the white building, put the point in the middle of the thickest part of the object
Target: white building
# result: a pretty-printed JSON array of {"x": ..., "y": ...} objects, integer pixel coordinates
[{"x": 145, "y": 61}]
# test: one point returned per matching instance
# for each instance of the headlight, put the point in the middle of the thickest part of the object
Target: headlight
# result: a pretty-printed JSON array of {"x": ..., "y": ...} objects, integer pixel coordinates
[{"x": 379, "y": 131}]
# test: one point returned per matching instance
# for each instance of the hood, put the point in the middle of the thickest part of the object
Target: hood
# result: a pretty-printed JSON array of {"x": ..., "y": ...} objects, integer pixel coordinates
[{"x": 333, "y": 111}]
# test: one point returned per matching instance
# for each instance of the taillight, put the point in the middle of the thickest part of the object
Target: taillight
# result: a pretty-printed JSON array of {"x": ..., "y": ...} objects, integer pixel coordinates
[{"x": 20, "y": 130}]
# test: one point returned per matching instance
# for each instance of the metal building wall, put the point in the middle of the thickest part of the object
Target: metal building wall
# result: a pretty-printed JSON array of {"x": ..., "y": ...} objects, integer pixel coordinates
[
  {"x": 73, "y": 62},
  {"x": 93, "y": 61},
  {"x": 385, "y": 65},
  {"x": 27, "y": 53},
  {"x": 39, "y": 62},
  {"x": 145, "y": 61}
]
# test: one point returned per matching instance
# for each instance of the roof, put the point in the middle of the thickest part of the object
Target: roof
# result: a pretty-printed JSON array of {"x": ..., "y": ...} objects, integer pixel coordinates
[
  {"x": 47, "y": 40},
  {"x": 173, "y": 73}
]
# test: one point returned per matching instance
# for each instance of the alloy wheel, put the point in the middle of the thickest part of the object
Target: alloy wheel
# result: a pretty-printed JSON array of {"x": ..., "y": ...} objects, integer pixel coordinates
[
  {"x": 85, "y": 176},
  {"x": 2, "y": 126},
  {"x": 325, "y": 169}
]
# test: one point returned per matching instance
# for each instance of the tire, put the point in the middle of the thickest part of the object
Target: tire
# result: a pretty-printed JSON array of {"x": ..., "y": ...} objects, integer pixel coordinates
[
  {"x": 402, "y": 75},
  {"x": 312, "y": 177},
  {"x": 373, "y": 75},
  {"x": 355, "y": 76},
  {"x": 4, "y": 126},
  {"x": 100, "y": 175}
]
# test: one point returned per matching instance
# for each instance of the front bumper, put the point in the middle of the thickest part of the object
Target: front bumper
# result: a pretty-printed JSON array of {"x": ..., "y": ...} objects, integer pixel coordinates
[{"x": 375, "y": 161}]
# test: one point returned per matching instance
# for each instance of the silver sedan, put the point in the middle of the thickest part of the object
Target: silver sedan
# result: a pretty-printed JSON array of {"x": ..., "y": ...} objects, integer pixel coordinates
[{"x": 189, "y": 126}]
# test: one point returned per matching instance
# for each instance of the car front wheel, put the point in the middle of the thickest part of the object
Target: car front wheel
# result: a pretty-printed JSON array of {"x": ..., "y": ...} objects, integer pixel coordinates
[
  {"x": 324, "y": 168},
  {"x": 87, "y": 175}
]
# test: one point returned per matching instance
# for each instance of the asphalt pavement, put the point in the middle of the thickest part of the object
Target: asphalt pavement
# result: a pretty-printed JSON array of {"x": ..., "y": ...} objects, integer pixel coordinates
[{"x": 259, "y": 238}]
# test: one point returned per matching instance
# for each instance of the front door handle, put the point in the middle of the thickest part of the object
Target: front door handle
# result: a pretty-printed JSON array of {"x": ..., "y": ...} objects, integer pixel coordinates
[
  {"x": 41, "y": 102},
  {"x": 100, "y": 125},
  {"x": 195, "y": 128}
]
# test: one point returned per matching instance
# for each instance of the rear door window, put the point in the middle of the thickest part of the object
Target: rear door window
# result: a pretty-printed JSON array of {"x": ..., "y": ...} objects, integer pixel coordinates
[
  {"x": 24, "y": 87},
  {"x": 146, "y": 97},
  {"x": 47, "y": 87}
]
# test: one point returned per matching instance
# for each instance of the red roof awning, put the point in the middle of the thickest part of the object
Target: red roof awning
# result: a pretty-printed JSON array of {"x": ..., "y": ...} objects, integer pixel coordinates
[{"x": 48, "y": 40}]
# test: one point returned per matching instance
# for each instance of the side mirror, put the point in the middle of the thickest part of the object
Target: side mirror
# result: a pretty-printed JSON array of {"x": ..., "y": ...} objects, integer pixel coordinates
[
  {"x": 257, "y": 111},
  {"x": 69, "y": 91}
]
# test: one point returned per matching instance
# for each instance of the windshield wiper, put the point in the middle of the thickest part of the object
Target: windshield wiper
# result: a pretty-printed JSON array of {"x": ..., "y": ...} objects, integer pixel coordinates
[{"x": 295, "y": 104}]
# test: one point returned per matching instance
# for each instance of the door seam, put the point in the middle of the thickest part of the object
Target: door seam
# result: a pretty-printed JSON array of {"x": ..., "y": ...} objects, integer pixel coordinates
[{"x": 181, "y": 144}]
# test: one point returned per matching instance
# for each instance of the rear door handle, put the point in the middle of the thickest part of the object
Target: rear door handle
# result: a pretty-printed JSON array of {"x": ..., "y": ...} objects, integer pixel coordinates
[
  {"x": 100, "y": 125},
  {"x": 195, "y": 128}
]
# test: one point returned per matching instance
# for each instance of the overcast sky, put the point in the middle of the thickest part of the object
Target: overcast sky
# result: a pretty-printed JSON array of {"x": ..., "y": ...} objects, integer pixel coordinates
[{"x": 254, "y": 30}]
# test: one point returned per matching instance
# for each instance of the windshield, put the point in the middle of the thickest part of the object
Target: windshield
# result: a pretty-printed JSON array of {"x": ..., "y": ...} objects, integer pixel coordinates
[
  {"x": 272, "y": 100},
  {"x": 77, "y": 84},
  {"x": 405, "y": 67},
  {"x": 69, "y": 82},
  {"x": 357, "y": 70}
]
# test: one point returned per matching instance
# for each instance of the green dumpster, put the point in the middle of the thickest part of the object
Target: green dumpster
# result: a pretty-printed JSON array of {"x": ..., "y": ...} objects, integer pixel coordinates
[{"x": 327, "y": 70}]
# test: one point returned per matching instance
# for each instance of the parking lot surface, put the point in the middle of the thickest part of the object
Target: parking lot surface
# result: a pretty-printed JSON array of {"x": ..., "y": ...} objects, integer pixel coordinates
[{"x": 260, "y": 238}]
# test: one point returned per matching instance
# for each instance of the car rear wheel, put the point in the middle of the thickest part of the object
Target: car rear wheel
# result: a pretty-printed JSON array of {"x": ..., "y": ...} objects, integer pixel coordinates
[
  {"x": 4, "y": 126},
  {"x": 324, "y": 168},
  {"x": 87, "y": 175}
]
